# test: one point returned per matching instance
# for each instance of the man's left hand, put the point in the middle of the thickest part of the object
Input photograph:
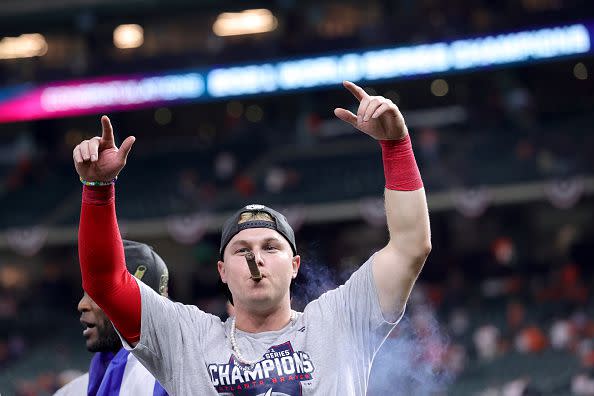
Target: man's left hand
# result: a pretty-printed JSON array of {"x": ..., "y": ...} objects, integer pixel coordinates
[{"x": 377, "y": 116}]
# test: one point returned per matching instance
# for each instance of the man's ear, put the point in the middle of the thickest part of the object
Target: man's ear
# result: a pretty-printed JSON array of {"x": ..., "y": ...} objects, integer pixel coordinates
[
  {"x": 222, "y": 272},
  {"x": 296, "y": 263}
]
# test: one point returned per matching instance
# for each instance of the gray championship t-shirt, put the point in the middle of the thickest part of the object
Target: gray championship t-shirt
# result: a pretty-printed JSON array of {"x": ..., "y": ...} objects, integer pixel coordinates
[{"x": 327, "y": 350}]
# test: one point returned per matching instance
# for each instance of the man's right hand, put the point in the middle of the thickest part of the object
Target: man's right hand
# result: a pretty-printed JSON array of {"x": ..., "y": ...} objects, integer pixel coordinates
[{"x": 98, "y": 159}]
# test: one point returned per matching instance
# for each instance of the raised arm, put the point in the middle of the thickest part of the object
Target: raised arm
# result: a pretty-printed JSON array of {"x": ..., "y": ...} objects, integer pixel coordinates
[
  {"x": 396, "y": 266},
  {"x": 101, "y": 253}
]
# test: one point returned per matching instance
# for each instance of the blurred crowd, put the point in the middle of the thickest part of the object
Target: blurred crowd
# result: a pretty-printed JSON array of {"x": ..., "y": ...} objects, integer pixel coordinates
[{"x": 213, "y": 171}]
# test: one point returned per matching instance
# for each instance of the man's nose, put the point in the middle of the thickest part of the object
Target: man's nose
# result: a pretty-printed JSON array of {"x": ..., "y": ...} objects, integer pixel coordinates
[
  {"x": 258, "y": 257},
  {"x": 84, "y": 304}
]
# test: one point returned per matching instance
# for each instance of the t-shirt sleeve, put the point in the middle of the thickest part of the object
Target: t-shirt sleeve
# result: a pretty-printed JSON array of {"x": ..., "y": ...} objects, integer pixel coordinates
[
  {"x": 354, "y": 307},
  {"x": 168, "y": 330}
]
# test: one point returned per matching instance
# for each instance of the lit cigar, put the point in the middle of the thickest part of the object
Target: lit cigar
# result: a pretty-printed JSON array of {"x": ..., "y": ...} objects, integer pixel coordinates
[{"x": 251, "y": 262}]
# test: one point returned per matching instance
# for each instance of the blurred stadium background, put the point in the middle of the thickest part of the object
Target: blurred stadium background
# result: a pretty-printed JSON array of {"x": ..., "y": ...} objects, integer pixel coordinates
[{"x": 231, "y": 102}]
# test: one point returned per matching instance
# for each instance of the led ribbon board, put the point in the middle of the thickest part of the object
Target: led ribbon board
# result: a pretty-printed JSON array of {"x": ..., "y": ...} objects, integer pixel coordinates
[{"x": 119, "y": 93}]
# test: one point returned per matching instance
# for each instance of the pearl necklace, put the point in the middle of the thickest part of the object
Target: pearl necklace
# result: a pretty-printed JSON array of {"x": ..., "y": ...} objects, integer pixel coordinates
[{"x": 235, "y": 347}]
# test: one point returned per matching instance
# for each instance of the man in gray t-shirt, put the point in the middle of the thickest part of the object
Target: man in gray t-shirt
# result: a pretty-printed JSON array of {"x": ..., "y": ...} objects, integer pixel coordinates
[
  {"x": 326, "y": 350},
  {"x": 265, "y": 348}
]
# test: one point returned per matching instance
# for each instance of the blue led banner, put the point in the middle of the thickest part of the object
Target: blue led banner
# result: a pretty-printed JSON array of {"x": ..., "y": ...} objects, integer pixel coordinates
[{"x": 117, "y": 93}]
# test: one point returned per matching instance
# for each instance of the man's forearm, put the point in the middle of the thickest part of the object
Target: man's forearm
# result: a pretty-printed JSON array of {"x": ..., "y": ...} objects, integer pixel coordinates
[
  {"x": 406, "y": 205},
  {"x": 408, "y": 223},
  {"x": 102, "y": 262}
]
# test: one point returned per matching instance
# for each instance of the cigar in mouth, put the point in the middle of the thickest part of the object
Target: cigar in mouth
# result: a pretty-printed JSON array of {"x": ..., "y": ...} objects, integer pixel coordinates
[{"x": 251, "y": 262}]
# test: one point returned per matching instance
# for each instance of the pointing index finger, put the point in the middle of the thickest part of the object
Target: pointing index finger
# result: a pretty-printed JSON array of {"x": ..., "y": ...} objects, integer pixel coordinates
[
  {"x": 107, "y": 130},
  {"x": 356, "y": 90}
]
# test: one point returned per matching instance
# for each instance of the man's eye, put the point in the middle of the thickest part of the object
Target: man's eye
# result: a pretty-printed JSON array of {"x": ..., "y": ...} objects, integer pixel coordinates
[
  {"x": 270, "y": 247},
  {"x": 242, "y": 250}
]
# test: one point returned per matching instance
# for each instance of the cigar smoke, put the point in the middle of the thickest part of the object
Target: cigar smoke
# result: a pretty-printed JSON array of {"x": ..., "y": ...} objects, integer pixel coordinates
[{"x": 411, "y": 360}]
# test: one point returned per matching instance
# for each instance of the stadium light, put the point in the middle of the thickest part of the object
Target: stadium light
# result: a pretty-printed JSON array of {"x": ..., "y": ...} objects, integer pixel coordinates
[
  {"x": 439, "y": 87},
  {"x": 580, "y": 71},
  {"x": 245, "y": 22},
  {"x": 24, "y": 46},
  {"x": 128, "y": 36}
]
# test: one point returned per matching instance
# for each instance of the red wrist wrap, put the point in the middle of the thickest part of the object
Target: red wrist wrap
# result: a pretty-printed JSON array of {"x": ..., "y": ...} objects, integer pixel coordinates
[{"x": 400, "y": 167}]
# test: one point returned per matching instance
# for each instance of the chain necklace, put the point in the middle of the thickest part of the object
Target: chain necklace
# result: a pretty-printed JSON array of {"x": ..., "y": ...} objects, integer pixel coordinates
[{"x": 235, "y": 347}]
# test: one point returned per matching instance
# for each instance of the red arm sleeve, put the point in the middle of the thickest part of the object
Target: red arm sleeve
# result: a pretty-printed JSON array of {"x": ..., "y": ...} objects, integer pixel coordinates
[{"x": 102, "y": 263}]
